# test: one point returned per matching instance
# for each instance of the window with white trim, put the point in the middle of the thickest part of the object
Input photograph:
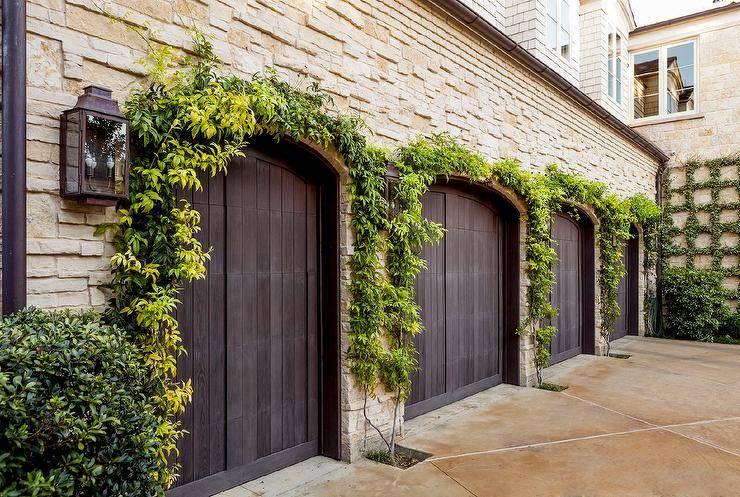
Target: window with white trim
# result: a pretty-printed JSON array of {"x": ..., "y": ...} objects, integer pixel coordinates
[
  {"x": 614, "y": 66},
  {"x": 558, "y": 27},
  {"x": 664, "y": 81}
]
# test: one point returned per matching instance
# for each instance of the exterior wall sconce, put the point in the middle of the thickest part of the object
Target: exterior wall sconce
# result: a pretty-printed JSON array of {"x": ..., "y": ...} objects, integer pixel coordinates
[{"x": 94, "y": 149}]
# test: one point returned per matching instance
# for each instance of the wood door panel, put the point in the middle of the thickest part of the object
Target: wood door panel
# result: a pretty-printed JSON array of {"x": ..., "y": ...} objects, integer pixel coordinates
[
  {"x": 628, "y": 290},
  {"x": 252, "y": 326},
  {"x": 460, "y": 296},
  {"x": 621, "y": 323},
  {"x": 568, "y": 291}
]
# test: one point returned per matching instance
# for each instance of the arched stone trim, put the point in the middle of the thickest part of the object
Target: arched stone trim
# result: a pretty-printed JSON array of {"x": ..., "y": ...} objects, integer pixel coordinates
[{"x": 505, "y": 194}]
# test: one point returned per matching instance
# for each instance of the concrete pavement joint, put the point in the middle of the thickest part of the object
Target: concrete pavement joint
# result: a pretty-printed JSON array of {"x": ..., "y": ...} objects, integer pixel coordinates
[
  {"x": 539, "y": 444},
  {"x": 667, "y": 428},
  {"x": 608, "y": 409},
  {"x": 702, "y": 441},
  {"x": 454, "y": 479},
  {"x": 652, "y": 427}
]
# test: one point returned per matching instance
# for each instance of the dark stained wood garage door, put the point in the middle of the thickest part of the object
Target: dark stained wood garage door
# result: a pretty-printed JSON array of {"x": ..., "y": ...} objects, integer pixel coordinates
[
  {"x": 627, "y": 291},
  {"x": 253, "y": 326},
  {"x": 573, "y": 294},
  {"x": 461, "y": 297},
  {"x": 567, "y": 295}
]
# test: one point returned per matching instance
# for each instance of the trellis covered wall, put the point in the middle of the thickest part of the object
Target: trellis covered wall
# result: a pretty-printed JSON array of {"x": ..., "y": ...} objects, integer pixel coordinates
[{"x": 702, "y": 203}]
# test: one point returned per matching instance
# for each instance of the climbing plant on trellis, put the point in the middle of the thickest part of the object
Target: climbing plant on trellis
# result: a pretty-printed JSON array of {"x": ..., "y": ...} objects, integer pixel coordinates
[{"x": 712, "y": 208}]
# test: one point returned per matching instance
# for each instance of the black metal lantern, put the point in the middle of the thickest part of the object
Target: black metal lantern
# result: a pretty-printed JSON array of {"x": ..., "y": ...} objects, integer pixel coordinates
[{"x": 94, "y": 148}]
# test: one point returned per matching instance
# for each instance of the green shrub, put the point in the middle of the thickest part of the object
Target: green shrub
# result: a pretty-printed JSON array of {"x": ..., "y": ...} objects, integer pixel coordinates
[
  {"x": 695, "y": 303},
  {"x": 730, "y": 329},
  {"x": 74, "y": 420}
]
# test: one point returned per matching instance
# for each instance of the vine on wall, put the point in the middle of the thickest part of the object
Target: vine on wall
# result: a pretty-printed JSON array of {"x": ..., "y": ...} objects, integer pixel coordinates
[
  {"x": 719, "y": 184},
  {"x": 191, "y": 119}
]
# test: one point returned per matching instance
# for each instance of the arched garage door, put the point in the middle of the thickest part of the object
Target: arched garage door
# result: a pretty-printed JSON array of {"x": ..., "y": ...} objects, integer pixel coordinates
[
  {"x": 467, "y": 299},
  {"x": 627, "y": 292},
  {"x": 573, "y": 293},
  {"x": 260, "y": 330}
]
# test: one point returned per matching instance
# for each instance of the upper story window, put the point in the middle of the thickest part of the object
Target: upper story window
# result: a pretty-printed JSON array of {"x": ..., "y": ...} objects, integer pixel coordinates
[
  {"x": 558, "y": 27},
  {"x": 664, "y": 81},
  {"x": 614, "y": 66}
]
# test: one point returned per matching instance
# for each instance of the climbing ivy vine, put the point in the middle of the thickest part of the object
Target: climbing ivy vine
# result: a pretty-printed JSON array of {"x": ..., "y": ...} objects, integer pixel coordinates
[
  {"x": 422, "y": 161},
  {"x": 192, "y": 120}
]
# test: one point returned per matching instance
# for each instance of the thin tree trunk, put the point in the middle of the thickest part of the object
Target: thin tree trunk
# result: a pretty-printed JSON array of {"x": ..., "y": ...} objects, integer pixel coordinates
[
  {"x": 395, "y": 418},
  {"x": 367, "y": 420}
]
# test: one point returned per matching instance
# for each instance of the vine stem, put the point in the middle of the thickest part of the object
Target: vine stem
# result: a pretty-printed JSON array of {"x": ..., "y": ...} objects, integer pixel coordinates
[
  {"x": 367, "y": 420},
  {"x": 392, "y": 446}
]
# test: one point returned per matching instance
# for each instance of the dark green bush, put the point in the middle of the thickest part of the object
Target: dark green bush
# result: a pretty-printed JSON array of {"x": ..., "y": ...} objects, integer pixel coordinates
[
  {"x": 696, "y": 303},
  {"x": 730, "y": 329},
  {"x": 74, "y": 419}
]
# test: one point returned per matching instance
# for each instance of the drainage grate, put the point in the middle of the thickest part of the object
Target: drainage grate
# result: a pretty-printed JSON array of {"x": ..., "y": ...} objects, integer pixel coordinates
[{"x": 619, "y": 356}]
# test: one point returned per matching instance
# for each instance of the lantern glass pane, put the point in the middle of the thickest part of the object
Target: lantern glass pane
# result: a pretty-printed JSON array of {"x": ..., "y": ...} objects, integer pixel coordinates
[
  {"x": 105, "y": 155},
  {"x": 72, "y": 148}
]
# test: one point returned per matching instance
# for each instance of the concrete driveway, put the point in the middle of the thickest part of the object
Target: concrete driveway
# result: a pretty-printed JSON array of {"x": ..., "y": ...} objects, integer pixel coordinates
[{"x": 665, "y": 422}]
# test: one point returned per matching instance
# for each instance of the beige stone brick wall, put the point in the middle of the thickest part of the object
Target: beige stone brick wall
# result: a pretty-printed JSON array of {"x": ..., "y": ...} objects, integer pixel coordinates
[
  {"x": 401, "y": 64},
  {"x": 715, "y": 131},
  {"x": 493, "y": 11},
  {"x": 526, "y": 23},
  {"x": 712, "y": 133},
  {"x": 597, "y": 20}
]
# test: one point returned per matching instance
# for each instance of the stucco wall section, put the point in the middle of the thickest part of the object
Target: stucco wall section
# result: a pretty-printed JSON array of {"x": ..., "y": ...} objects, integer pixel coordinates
[{"x": 404, "y": 67}]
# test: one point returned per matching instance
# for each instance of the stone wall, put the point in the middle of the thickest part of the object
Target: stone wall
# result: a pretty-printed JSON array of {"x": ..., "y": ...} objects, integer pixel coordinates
[
  {"x": 712, "y": 133},
  {"x": 401, "y": 64},
  {"x": 715, "y": 130},
  {"x": 598, "y": 19}
]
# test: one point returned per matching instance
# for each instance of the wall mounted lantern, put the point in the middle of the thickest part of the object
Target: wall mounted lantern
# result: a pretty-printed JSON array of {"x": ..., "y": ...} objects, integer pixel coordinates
[{"x": 94, "y": 149}]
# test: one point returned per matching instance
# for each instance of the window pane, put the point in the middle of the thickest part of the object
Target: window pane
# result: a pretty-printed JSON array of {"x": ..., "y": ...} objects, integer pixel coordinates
[
  {"x": 646, "y": 101},
  {"x": 618, "y": 83},
  {"x": 646, "y": 63},
  {"x": 552, "y": 33},
  {"x": 564, "y": 43},
  {"x": 565, "y": 15},
  {"x": 646, "y": 106},
  {"x": 680, "y": 78},
  {"x": 552, "y": 7},
  {"x": 681, "y": 55},
  {"x": 611, "y": 82},
  {"x": 610, "y": 64}
]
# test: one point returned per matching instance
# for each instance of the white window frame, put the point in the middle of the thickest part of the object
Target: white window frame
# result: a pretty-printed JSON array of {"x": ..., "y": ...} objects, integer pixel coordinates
[
  {"x": 558, "y": 27},
  {"x": 612, "y": 87},
  {"x": 662, "y": 82}
]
